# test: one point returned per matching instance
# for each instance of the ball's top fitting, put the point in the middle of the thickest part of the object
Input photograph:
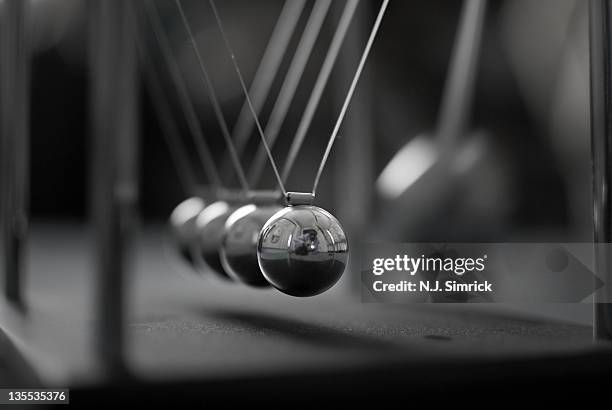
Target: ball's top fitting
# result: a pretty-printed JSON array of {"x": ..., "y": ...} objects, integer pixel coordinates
[{"x": 299, "y": 198}]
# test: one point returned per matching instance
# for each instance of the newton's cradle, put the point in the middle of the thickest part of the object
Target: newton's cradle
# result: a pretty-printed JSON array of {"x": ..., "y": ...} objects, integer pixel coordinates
[{"x": 158, "y": 327}]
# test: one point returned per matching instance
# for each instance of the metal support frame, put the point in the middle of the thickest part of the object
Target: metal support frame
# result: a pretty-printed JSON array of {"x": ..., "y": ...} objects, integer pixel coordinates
[
  {"x": 14, "y": 146},
  {"x": 601, "y": 145},
  {"x": 115, "y": 128}
]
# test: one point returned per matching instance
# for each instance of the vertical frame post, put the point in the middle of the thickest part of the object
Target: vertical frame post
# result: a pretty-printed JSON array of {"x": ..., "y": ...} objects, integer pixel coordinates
[
  {"x": 114, "y": 184},
  {"x": 601, "y": 145},
  {"x": 14, "y": 146}
]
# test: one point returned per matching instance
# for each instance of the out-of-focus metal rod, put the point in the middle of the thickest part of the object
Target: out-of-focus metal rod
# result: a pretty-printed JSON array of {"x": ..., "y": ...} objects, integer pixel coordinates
[
  {"x": 115, "y": 129},
  {"x": 214, "y": 101},
  {"x": 350, "y": 93},
  {"x": 170, "y": 132},
  {"x": 460, "y": 82},
  {"x": 287, "y": 92},
  {"x": 159, "y": 99},
  {"x": 14, "y": 146},
  {"x": 264, "y": 76},
  {"x": 197, "y": 135},
  {"x": 601, "y": 146},
  {"x": 319, "y": 86}
]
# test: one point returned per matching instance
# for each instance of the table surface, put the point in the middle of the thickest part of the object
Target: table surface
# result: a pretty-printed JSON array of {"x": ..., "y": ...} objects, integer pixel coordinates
[{"x": 181, "y": 326}]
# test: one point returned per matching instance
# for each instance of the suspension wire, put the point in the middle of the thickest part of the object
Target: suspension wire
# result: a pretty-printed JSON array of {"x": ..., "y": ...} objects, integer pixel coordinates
[
  {"x": 349, "y": 95},
  {"x": 289, "y": 87},
  {"x": 342, "y": 112},
  {"x": 460, "y": 83},
  {"x": 321, "y": 82},
  {"x": 215, "y": 103},
  {"x": 248, "y": 99},
  {"x": 204, "y": 152},
  {"x": 276, "y": 49},
  {"x": 170, "y": 132}
]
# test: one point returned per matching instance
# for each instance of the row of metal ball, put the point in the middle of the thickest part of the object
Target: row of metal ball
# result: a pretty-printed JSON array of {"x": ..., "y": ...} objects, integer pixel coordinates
[{"x": 300, "y": 250}]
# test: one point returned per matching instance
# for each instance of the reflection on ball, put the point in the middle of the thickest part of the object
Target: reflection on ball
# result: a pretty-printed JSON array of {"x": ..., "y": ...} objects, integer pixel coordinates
[
  {"x": 239, "y": 249},
  {"x": 182, "y": 225},
  {"x": 302, "y": 250},
  {"x": 210, "y": 226}
]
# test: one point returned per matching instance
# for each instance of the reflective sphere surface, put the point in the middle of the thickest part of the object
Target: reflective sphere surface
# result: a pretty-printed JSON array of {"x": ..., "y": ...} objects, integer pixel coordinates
[
  {"x": 239, "y": 249},
  {"x": 302, "y": 250},
  {"x": 183, "y": 227},
  {"x": 210, "y": 227}
]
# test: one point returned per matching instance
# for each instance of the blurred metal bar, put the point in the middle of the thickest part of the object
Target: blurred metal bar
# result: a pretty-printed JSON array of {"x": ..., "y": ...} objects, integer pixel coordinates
[
  {"x": 174, "y": 70},
  {"x": 353, "y": 190},
  {"x": 264, "y": 77},
  {"x": 288, "y": 88},
  {"x": 14, "y": 145},
  {"x": 461, "y": 78},
  {"x": 344, "y": 22},
  {"x": 601, "y": 145},
  {"x": 115, "y": 128},
  {"x": 159, "y": 100}
]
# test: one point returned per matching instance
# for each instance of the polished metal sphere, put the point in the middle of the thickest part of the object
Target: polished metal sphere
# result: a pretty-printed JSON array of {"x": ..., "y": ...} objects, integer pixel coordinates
[
  {"x": 302, "y": 250},
  {"x": 182, "y": 225},
  {"x": 239, "y": 249},
  {"x": 210, "y": 227}
]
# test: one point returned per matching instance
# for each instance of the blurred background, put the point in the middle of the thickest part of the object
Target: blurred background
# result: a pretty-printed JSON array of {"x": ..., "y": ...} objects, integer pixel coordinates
[{"x": 531, "y": 177}]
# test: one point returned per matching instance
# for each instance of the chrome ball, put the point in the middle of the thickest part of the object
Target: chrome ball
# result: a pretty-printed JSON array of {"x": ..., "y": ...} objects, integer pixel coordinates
[
  {"x": 302, "y": 250},
  {"x": 183, "y": 227},
  {"x": 210, "y": 227},
  {"x": 239, "y": 249}
]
